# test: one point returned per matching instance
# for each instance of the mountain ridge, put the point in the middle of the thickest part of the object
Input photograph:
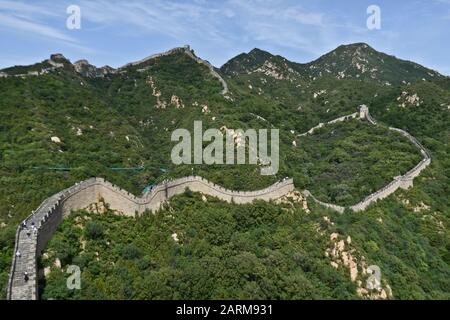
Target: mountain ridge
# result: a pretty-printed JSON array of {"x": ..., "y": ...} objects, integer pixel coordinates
[
  {"x": 89, "y": 125},
  {"x": 356, "y": 61},
  {"x": 333, "y": 63}
]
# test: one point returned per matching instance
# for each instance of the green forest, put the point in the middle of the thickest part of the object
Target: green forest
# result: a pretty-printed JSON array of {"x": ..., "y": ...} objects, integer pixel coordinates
[
  {"x": 197, "y": 249},
  {"x": 224, "y": 250}
]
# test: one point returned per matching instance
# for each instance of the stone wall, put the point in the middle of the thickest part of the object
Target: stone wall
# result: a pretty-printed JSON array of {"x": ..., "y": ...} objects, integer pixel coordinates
[
  {"x": 334, "y": 207},
  {"x": 320, "y": 125},
  {"x": 48, "y": 216},
  {"x": 54, "y": 209},
  {"x": 405, "y": 181},
  {"x": 187, "y": 50}
]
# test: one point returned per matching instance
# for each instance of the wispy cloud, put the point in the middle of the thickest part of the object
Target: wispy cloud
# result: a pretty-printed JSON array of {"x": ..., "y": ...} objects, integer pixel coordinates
[
  {"x": 22, "y": 8},
  {"x": 173, "y": 19},
  {"x": 19, "y": 16},
  {"x": 273, "y": 11},
  {"x": 16, "y": 23},
  {"x": 216, "y": 22}
]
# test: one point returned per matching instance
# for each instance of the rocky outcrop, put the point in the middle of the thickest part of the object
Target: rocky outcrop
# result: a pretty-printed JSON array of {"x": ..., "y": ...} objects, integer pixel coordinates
[
  {"x": 88, "y": 70},
  {"x": 343, "y": 255}
]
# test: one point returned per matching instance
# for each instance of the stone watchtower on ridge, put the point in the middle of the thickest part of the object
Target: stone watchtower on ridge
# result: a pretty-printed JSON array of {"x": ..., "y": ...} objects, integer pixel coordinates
[{"x": 363, "y": 111}]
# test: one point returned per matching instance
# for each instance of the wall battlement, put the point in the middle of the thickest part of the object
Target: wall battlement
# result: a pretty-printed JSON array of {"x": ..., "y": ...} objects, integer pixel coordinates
[{"x": 48, "y": 216}]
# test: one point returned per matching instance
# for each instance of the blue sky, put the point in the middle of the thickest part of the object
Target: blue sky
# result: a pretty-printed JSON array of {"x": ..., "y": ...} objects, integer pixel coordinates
[{"x": 117, "y": 32}]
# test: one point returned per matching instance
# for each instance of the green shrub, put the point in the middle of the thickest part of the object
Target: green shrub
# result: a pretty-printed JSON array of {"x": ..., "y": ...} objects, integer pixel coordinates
[{"x": 93, "y": 231}]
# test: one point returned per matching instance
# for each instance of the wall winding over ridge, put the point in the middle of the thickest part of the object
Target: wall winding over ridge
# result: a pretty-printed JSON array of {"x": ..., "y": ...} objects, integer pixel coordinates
[
  {"x": 405, "y": 181},
  {"x": 54, "y": 209},
  {"x": 186, "y": 50}
]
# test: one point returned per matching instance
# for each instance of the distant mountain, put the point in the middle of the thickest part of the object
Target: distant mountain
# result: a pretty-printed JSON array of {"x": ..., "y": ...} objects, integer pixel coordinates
[
  {"x": 355, "y": 61},
  {"x": 361, "y": 61},
  {"x": 263, "y": 62}
]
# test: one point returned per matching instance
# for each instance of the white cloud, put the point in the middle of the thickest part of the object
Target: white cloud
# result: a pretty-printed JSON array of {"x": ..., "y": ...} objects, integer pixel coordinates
[
  {"x": 16, "y": 23},
  {"x": 23, "y": 8},
  {"x": 272, "y": 10},
  {"x": 180, "y": 21}
]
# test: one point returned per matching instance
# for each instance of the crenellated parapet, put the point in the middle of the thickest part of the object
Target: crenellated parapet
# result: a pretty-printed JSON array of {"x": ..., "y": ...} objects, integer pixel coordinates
[{"x": 37, "y": 229}]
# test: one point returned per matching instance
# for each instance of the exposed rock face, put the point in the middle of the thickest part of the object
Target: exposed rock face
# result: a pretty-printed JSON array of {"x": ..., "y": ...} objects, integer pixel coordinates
[
  {"x": 57, "y": 61},
  {"x": 294, "y": 197},
  {"x": 406, "y": 99},
  {"x": 271, "y": 70},
  {"x": 175, "y": 100},
  {"x": 160, "y": 104},
  {"x": 319, "y": 93},
  {"x": 205, "y": 109},
  {"x": 57, "y": 57},
  {"x": 86, "y": 69},
  {"x": 343, "y": 255},
  {"x": 83, "y": 67},
  {"x": 55, "y": 139}
]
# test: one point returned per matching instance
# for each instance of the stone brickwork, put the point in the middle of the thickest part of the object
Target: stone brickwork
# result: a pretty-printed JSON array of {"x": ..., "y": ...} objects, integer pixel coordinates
[{"x": 47, "y": 217}]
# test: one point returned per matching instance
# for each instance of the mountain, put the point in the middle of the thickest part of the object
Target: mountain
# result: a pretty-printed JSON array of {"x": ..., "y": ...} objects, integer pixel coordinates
[
  {"x": 262, "y": 62},
  {"x": 355, "y": 61},
  {"x": 62, "y": 122},
  {"x": 363, "y": 62}
]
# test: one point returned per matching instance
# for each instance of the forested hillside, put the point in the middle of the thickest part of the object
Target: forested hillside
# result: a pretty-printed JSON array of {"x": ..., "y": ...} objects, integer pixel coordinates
[{"x": 61, "y": 123}]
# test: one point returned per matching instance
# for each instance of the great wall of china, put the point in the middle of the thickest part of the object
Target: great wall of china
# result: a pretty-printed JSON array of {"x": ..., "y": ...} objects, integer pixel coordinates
[
  {"x": 186, "y": 49},
  {"x": 54, "y": 209},
  {"x": 405, "y": 181},
  {"x": 47, "y": 217}
]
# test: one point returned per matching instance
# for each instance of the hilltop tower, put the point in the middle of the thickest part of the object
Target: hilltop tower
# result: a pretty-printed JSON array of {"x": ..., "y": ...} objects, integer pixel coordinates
[{"x": 363, "y": 110}]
